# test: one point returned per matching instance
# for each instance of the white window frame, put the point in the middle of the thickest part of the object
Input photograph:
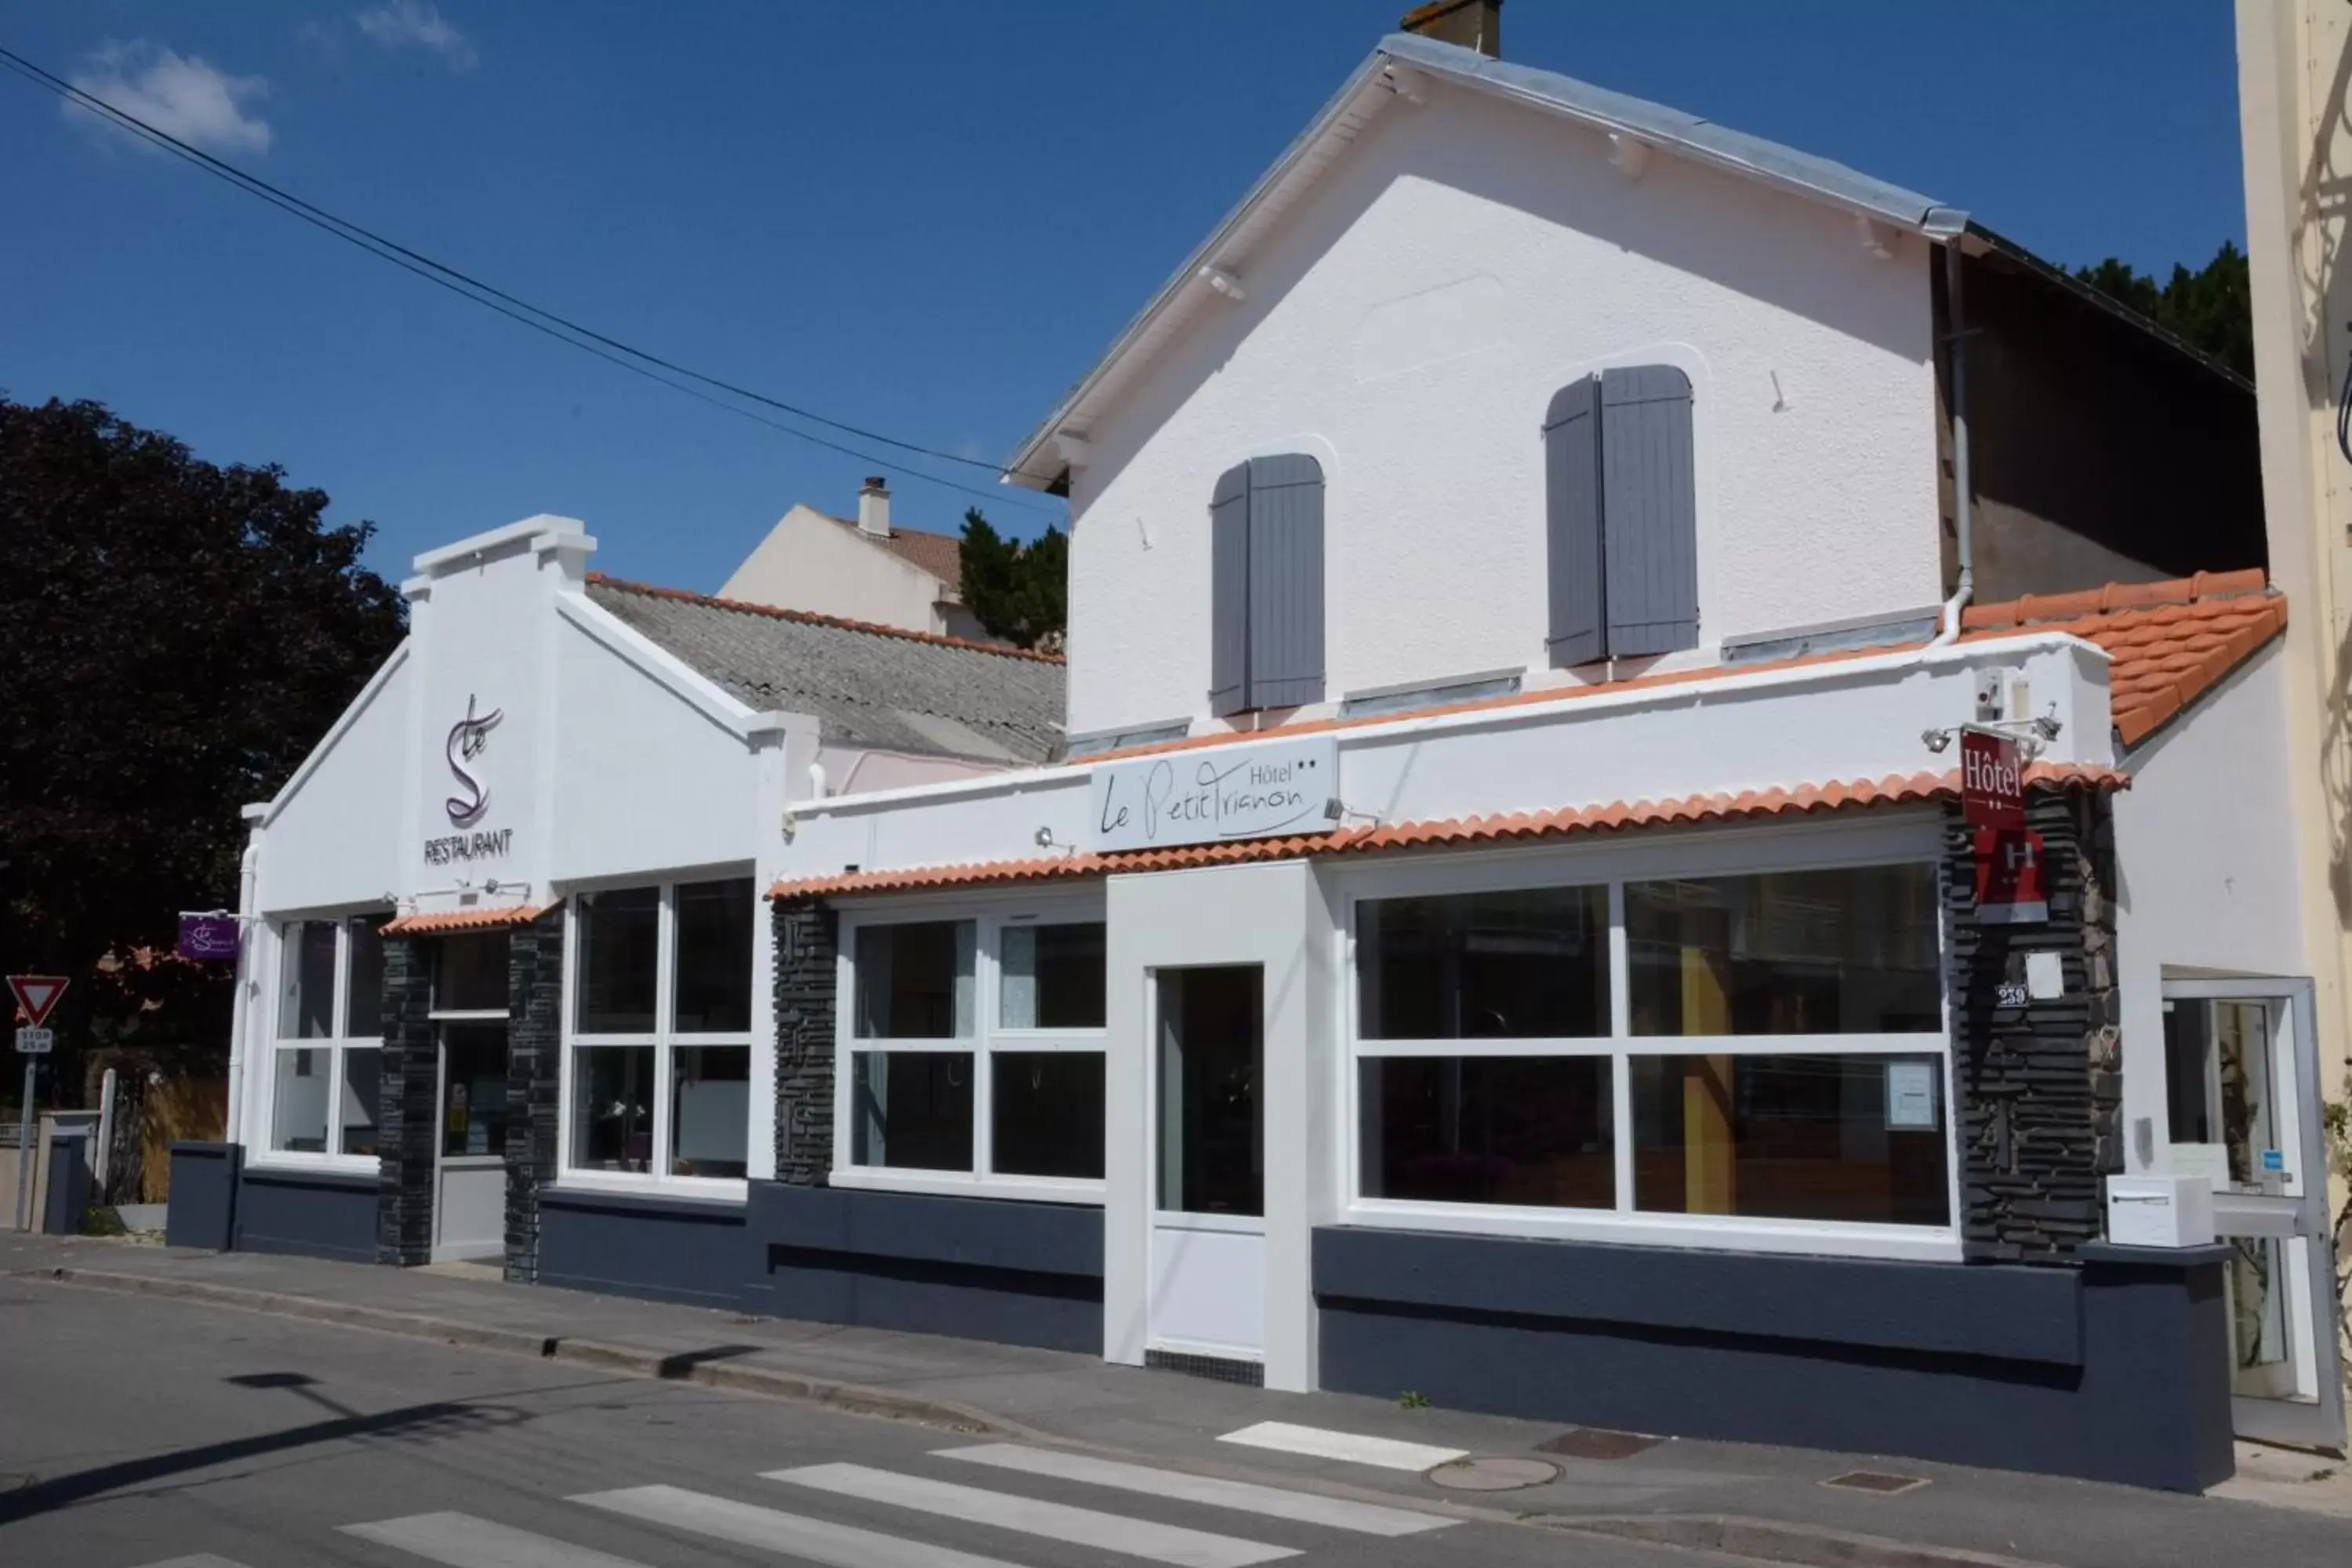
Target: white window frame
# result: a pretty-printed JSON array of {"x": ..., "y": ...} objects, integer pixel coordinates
[
  {"x": 336, "y": 1046},
  {"x": 663, "y": 1037},
  {"x": 991, "y": 918},
  {"x": 1700, "y": 854}
]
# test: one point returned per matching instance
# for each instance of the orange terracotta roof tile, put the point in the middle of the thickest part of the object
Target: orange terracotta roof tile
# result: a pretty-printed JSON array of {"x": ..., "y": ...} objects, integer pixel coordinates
[
  {"x": 443, "y": 923},
  {"x": 1910, "y": 789},
  {"x": 2168, "y": 643},
  {"x": 811, "y": 617}
]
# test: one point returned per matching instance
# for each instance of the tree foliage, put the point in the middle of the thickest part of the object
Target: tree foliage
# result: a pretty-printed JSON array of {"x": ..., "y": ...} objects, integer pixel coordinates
[
  {"x": 2211, "y": 309},
  {"x": 1018, "y": 592},
  {"x": 175, "y": 638}
]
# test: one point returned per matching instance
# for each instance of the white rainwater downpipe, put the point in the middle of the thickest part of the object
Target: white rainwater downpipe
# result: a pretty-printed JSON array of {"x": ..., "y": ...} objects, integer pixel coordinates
[
  {"x": 240, "y": 1015},
  {"x": 1963, "y": 496}
]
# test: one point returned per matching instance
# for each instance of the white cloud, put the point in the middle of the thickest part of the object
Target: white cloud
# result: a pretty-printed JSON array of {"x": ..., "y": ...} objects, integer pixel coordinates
[
  {"x": 418, "y": 22},
  {"x": 181, "y": 96}
]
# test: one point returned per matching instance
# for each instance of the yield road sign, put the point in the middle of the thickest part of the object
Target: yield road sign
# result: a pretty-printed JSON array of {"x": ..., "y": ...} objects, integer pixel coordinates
[
  {"x": 31, "y": 1042},
  {"x": 36, "y": 995}
]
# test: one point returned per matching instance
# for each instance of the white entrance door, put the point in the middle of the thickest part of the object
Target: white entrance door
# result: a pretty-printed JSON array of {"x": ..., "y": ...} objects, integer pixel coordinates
[
  {"x": 2242, "y": 1078},
  {"x": 1208, "y": 1225},
  {"x": 469, "y": 1176}
]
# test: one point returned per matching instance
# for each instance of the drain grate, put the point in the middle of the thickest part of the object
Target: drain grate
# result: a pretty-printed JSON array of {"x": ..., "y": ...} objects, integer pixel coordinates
[
  {"x": 1876, "y": 1481},
  {"x": 1598, "y": 1443},
  {"x": 1215, "y": 1368}
]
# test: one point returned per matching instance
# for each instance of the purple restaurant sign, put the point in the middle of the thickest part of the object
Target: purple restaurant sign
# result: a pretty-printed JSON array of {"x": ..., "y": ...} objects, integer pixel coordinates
[{"x": 208, "y": 936}]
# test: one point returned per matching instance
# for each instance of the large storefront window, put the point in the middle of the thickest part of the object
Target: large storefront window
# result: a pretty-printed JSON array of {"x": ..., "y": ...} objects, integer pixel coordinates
[
  {"x": 1764, "y": 1047},
  {"x": 658, "y": 1043},
  {"x": 972, "y": 1053},
  {"x": 327, "y": 1058}
]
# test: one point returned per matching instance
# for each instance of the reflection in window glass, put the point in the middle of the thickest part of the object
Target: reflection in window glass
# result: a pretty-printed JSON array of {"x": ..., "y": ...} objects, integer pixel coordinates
[
  {"x": 709, "y": 1110},
  {"x": 469, "y": 972},
  {"x": 1211, "y": 1062},
  {"x": 1843, "y": 952},
  {"x": 473, "y": 1112},
  {"x": 620, "y": 944},
  {"x": 363, "y": 1071},
  {"x": 1849, "y": 1137},
  {"x": 306, "y": 1005},
  {"x": 1051, "y": 977},
  {"x": 714, "y": 956},
  {"x": 364, "y": 1011},
  {"x": 912, "y": 1109},
  {"x": 914, "y": 982},
  {"x": 298, "y": 1120},
  {"x": 1528, "y": 964},
  {"x": 1047, "y": 1113},
  {"x": 1488, "y": 1129},
  {"x": 613, "y": 1108}
]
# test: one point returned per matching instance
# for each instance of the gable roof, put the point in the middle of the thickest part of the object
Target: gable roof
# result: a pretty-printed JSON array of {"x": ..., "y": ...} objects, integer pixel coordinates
[
  {"x": 1391, "y": 70},
  {"x": 940, "y": 554},
  {"x": 867, "y": 685}
]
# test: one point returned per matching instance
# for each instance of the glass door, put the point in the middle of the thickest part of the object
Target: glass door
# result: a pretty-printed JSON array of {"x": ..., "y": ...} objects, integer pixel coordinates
[
  {"x": 2242, "y": 1090},
  {"x": 470, "y": 1207},
  {"x": 1208, "y": 1240}
]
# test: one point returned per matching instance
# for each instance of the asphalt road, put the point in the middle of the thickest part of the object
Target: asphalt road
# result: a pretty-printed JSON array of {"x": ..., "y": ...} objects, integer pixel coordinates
[{"x": 137, "y": 1431}]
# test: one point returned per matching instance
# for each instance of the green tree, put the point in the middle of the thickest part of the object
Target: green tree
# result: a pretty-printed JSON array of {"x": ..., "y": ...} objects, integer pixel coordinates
[
  {"x": 175, "y": 638},
  {"x": 1018, "y": 592},
  {"x": 2211, "y": 309}
]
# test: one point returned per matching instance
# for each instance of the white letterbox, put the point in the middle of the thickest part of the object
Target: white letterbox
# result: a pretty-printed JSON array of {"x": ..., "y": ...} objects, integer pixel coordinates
[{"x": 2159, "y": 1211}]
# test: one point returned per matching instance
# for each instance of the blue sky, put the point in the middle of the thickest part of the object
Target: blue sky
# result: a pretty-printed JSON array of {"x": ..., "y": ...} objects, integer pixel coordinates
[{"x": 925, "y": 218}]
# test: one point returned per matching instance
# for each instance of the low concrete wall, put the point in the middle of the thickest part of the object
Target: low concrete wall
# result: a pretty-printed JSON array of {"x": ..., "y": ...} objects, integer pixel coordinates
[
  {"x": 2116, "y": 1371},
  {"x": 202, "y": 1204},
  {"x": 983, "y": 1269},
  {"x": 659, "y": 1248},
  {"x": 311, "y": 1213}
]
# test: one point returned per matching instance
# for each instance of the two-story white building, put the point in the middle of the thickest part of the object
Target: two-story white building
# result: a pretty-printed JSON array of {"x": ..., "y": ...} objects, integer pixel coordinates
[{"x": 1503, "y": 921}]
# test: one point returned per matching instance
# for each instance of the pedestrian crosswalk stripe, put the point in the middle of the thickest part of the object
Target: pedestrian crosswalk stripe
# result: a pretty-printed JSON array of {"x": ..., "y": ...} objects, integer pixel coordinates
[
  {"x": 1322, "y": 1443},
  {"x": 461, "y": 1541},
  {"x": 769, "y": 1530},
  {"x": 200, "y": 1560},
  {"x": 1364, "y": 1518},
  {"x": 1056, "y": 1521}
]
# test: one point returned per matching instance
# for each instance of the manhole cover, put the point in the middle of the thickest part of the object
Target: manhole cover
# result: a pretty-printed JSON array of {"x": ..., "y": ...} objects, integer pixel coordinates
[
  {"x": 1492, "y": 1474},
  {"x": 1876, "y": 1481},
  {"x": 1598, "y": 1443}
]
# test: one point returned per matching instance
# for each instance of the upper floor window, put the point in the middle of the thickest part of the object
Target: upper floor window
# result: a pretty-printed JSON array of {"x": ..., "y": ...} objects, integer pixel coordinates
[
  {"x": 1622, "y": 515},
  {"x": 1266, "y": 586}
]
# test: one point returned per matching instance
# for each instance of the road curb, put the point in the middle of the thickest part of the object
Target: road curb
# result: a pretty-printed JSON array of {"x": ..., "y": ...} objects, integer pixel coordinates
[
  {"x": 847, "y": 1397},
  {"x": 1769, "y": 1541}
]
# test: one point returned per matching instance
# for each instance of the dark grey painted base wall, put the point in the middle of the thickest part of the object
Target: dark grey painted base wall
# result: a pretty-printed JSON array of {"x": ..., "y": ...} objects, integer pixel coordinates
[
  {"x": 659, "y": 1248},
  {"x": 202, "y": 1204},
  {"x": 981, "y": 1268},
  {"x": 2116, "y": 1371},
  {"x": 309, "y": 1213}
]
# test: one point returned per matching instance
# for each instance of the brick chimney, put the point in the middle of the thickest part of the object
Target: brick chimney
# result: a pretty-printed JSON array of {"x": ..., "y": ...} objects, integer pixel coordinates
[
  {"x": 874, "y": 508},
  {"x": 1472, "y": 24}
]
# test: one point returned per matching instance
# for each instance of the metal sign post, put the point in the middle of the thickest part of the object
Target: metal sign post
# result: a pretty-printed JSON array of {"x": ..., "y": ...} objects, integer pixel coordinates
[{"x": 36, "y": 995}]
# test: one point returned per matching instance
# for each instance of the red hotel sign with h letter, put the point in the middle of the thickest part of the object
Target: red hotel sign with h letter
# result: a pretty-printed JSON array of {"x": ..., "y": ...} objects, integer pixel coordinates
[{"x": 2008, "y": 856}]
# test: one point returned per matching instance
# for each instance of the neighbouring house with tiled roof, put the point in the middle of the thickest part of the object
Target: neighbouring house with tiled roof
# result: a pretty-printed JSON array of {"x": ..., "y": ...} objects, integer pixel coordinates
[
  {"x": 1666, "y": 812},
  {"x": 865, "y": 568}
]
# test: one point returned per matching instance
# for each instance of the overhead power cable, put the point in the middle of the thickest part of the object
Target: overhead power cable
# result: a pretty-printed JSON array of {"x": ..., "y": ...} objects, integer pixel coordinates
[{"x": 561, "y": 328}]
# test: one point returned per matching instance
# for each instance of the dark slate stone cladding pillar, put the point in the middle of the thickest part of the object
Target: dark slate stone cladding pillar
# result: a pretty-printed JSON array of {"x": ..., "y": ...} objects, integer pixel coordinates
[
  {"x": 404, "y": 1120},
  {"x": 2039, "y": 1086},
  {"x": 807, "y": 944},
  {"x": 534, "y": 1044}
]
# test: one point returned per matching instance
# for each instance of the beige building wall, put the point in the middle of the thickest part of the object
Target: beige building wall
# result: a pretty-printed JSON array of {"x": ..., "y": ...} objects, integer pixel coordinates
[
  {"x": 814, "y": 562},
  {"x": 2295, "y": 78}
]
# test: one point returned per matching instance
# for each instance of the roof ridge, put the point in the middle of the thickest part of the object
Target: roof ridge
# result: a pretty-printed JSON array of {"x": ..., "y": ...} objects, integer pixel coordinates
[
  {"x": 811, "y": 617},
  {"x": 2113, "y": 597}
]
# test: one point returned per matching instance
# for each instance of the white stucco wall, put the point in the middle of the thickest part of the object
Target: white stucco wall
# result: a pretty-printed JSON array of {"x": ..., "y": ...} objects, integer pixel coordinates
[
  {"x": 2206, "y": 868},
  {"x": 809, "y": 561},
  {"x": 1408, "y": 325},
  {"x": 320, "y": 854}
]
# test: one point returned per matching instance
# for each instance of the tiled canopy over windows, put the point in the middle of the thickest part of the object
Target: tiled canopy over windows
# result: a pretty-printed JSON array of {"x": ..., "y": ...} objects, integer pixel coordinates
[
  {"x": 330, "y": 1037},
  {"x": 974, "y": 1050},
  {"x": 658, "y": 1060}
]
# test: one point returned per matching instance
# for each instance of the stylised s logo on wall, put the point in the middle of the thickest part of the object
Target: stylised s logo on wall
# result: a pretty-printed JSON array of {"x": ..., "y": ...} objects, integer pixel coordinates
[{"x": 468, "y": 737}]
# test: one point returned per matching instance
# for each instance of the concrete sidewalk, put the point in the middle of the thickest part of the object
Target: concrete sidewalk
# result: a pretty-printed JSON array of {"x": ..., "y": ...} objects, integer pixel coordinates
[{"x": 1757, "y": 1501}]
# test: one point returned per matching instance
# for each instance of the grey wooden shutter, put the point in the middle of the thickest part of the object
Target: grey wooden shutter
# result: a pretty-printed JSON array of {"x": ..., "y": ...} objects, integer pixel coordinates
[
  {"x": 1285, "y": 582},
  {"x": 1228, "y": 591},
  {"x": 1573, "y": 562},
  {"x": 1649, "y": 510}
]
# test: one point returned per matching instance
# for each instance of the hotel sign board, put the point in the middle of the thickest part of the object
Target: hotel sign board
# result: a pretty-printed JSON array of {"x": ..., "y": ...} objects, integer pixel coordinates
[{"x": 1216, "y": 794}]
